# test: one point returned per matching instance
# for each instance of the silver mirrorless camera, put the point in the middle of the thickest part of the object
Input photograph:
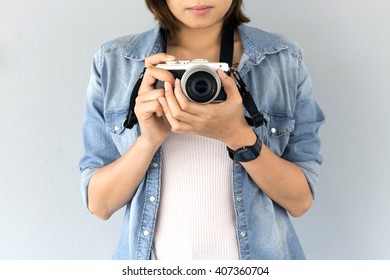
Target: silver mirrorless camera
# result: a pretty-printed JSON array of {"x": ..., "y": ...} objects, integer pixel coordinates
[{"x": 199, "y": 80}]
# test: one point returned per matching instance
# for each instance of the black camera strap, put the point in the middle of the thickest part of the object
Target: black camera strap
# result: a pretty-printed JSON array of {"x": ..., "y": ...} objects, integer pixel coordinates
[
  {"x": 257, "y": 118},
  {"x": 131, "y": 118},
  {"x": 226, "y": 55},
  {"x": 227, "y": 46}
]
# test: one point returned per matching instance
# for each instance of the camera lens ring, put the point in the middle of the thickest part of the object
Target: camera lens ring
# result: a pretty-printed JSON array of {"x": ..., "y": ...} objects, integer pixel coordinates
[{"x": 196, "y": 69}]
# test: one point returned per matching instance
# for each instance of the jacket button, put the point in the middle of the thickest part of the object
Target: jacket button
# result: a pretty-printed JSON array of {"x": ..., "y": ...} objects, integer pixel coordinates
[
  {"x": 238, "y": 198},
  {"x": 116, "y": 128},
  {"x": 243, "y": 233},
  {"x": 155, "y": 164},
  {"x": 273, "y": 130},
  {"x": 146, "y": 232},
  {"x": 152, "y": 198}
]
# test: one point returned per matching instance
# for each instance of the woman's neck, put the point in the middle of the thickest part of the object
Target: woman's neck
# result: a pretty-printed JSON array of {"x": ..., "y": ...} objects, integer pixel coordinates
[{"x": 190, "y": 43}]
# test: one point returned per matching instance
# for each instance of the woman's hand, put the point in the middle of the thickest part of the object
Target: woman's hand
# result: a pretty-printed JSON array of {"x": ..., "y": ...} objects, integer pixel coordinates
[
  {"x": 153, "y": 123},
  {"x": 224, "y": 121}
]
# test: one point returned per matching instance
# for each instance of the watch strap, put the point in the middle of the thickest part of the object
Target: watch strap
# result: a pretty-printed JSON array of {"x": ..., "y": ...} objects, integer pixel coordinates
[{"x": 246, "y": 153}]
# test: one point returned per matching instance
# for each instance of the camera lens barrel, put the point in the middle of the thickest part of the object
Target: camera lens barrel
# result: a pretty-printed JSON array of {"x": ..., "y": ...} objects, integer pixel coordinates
[{"x": 201, "y": 84}]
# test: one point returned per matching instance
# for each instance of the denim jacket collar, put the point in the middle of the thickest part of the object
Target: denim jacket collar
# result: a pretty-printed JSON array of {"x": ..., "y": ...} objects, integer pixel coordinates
[
  {"x": 144, "y": 45},
  {"x": 263, "y": 43},
  {"x": 255, "y": 47}
]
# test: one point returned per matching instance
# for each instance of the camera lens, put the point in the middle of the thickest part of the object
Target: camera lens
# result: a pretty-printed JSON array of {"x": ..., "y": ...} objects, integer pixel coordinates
[
  {"x": 201, "y": 87},
  {"x": 201, "y": 84}
]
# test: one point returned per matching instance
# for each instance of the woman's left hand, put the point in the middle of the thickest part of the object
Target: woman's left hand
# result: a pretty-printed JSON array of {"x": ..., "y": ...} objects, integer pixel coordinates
[
  {"x": 283, "y": 181},
  {"x": 223, "y": 121}
]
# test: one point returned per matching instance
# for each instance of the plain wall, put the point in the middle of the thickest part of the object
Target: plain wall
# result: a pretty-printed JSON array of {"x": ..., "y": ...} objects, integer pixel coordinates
[{"x": 46, "y": 48}]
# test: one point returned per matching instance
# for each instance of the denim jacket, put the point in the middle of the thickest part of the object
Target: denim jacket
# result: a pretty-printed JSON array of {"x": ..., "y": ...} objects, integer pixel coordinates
[{"x": 273, "y": 69}]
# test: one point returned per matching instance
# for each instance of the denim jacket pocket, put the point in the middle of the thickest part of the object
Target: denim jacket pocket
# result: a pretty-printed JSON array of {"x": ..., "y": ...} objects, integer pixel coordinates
[
  {"x": 115, "y": 120},
  {"x": 122, "y": 137},
  {"x": 279, "y": 129}
]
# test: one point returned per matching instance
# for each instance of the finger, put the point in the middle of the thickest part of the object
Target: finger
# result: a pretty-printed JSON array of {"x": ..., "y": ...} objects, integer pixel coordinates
[
  {"x": 151, "y": 75},
  {"x": 158, "y": 58},
  {"x": 176, "y": 125},
  {"x": 174, "y": 107},
  {"x": 229, "y": 84},
  {"x": 147, "y": 109},
  {"x": 185, "y": 104},
  {"x": 159, "y": 110},
  {"x": 150, "y": 95}
]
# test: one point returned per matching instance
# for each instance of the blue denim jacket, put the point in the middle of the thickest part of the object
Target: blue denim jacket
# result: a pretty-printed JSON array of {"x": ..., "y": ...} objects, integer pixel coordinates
[{"x": 273, "y": 69}]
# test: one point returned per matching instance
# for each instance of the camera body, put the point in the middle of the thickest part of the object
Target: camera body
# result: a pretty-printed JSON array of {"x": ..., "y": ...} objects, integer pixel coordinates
[{"x": 200, "y": 82}]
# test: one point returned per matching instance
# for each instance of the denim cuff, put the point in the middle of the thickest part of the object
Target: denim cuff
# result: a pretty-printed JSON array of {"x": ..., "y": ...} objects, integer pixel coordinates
[
  {"x": 85, "y": 178},
  {"x": 311, "y": 169}
]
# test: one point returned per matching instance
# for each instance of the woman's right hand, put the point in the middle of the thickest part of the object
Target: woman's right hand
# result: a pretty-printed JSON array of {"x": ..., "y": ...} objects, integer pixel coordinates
[
  {"x": 151, "y": 118},
  {"x": 113, "y": 185}
]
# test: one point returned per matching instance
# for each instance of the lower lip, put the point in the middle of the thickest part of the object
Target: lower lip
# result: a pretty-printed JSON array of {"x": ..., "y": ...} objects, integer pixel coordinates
[{"x": 200, "y": 11}]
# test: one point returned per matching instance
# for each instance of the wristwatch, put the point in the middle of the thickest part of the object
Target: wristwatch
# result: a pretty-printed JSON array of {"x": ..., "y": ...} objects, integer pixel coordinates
[{"x": 246, "y": 153}]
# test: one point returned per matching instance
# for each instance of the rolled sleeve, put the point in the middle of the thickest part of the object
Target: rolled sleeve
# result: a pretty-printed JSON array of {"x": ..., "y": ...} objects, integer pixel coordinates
[
  {"x": 304, "y": 145},
  {"x": 99, "y": 148},
  {"x": 86, "y": 175},
  {"x": 311, "y": 169}
]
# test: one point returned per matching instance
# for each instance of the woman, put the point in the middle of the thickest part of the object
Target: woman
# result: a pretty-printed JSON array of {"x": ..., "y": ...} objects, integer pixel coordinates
[{"x": 185, "y": 197}]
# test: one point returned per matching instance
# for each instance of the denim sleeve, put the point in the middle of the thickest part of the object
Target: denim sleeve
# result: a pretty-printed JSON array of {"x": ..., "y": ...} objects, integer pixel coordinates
[
  {"x": 99, "y": 148},
  {"x": 304, "y": 145}
]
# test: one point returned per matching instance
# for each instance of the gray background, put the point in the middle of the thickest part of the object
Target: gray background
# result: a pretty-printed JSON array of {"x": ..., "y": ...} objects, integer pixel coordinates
[{"x": 46, "y": 48}]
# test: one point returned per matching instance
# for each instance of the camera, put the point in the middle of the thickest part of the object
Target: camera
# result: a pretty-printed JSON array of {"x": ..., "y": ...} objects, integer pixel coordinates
[{"x": 200, "y": 82}]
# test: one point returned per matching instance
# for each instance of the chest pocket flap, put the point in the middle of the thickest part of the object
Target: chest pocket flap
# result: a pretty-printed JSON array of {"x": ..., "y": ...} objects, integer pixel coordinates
[
  {"x": 122, "y": 137},
  {"x": 115, "y": 120},
  {"x": 279, "y": 129}
]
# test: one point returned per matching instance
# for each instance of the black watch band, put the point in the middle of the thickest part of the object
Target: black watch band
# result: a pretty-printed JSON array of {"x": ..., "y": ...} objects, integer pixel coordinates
[{"x": 246, "y": 153}]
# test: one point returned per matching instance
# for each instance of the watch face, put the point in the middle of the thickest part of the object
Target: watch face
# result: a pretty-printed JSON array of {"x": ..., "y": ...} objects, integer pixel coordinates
[{"x": 245, "y": 155}]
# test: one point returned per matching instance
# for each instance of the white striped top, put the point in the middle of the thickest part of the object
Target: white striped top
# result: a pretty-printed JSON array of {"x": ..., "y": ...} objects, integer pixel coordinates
[{"x": 196, "y": 218}]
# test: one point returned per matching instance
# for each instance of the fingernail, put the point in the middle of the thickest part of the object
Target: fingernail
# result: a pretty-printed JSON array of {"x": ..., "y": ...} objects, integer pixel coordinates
[{"x": 170, "y": 57}]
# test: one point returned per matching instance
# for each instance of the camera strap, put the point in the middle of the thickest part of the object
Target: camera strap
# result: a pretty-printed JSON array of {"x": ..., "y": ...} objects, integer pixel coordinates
[
  {"x": 257, "y": 118},
  {"x": 131, "y": 118},
  {"x": 226, "y": 55}
]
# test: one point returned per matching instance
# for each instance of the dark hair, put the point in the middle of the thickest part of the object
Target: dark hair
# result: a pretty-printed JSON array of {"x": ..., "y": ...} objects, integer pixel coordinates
[{"x": 163, "y": 15}]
